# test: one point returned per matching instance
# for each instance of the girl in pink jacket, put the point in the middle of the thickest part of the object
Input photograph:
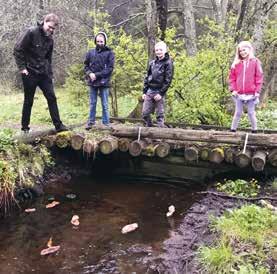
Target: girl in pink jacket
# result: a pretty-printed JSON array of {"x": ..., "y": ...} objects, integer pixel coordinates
[{"x": 245, "y": 83}]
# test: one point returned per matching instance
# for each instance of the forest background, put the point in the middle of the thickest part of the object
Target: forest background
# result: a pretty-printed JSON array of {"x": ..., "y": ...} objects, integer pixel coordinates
[{"x": 201, "y": 36}]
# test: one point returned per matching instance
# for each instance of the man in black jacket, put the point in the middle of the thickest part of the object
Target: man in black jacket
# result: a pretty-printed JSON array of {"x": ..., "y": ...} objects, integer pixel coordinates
[
  {"x": 33, "y": 56},
  {"x": 99, "y": 64},
  {"x": 156, "y": 83}
]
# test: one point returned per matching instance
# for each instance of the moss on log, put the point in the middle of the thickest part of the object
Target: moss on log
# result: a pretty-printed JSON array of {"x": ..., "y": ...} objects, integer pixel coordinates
[
  {"x": 216, "y": 155},
  {"x": 63, "y": 139},
  {"x": 204, "y": 154}
]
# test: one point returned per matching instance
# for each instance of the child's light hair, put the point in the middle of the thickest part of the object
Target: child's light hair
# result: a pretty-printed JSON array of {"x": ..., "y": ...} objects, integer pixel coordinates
[
  {"x": 162, "y": 45},
  {"x": 238, "y": 58}
]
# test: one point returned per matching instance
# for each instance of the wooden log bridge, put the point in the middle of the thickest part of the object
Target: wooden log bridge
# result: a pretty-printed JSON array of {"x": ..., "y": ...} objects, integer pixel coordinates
[{"x": 175, "y": 145}]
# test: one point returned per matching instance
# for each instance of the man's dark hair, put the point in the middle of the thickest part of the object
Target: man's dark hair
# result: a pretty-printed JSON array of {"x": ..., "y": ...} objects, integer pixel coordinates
[{"x": 51, "y": 17}]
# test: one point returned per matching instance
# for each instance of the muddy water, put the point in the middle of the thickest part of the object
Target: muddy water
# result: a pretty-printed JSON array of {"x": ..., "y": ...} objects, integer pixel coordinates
[{"x": 96, "y": 245}]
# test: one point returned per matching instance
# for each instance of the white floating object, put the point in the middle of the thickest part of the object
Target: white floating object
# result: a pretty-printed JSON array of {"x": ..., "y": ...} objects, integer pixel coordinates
[
  {"x": 171, "y": 210},
  {"x": 129, "y": 228}
]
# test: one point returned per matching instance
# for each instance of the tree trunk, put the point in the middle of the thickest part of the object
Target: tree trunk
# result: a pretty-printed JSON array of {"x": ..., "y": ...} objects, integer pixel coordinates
[
  {"x": 189, "y": 28},
  {"x": 162, "y": 8},
  {"x": 151, "y": 22},
  {"x": 262, "y": 9},
  {"x": 242, "y": 14},
  {"x": 137, "y": 111},
  {"x": 210, "y": 136},
  {"x": 217, "y": 10}
]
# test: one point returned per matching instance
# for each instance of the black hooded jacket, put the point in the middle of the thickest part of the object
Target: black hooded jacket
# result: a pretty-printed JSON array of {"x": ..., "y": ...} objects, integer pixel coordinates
[
  {"x": 33, "y": 51},
  {"x": 159, "y": 75}
]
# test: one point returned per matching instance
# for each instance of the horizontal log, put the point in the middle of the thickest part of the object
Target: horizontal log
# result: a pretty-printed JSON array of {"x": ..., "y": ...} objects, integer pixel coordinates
[
  {"x": 237, "y": 138},
  {"x": 189, "y": 126}
]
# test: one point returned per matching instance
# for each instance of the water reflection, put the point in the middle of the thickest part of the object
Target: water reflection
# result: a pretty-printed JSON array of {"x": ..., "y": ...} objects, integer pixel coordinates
[{"x": 96, "y": 245}]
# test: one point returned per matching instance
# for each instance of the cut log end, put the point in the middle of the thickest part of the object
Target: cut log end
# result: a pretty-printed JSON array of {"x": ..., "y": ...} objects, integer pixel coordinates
[
  {"x": 191, "y": 154},
  {"x": 108, "y": 145},
  {"x": 162, "y": 150},
  {"x": 243, "y": 159}
]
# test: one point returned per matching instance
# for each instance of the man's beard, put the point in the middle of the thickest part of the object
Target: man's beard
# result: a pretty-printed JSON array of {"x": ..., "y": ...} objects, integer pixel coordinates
[{"x": 100, "y": 46}]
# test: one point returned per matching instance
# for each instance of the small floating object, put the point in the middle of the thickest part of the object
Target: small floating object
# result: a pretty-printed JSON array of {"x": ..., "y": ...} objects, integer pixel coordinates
[
  {"x": 53, "y": 204},
  {"x": 50, "y": 242},
  {"x": 129, "y": 228},
  {"x": 171, "y": 210},
  {"x": 75, "y": 220},
  {"x": 71, "y": 196},
  {"x": 49, "y": 250},
  {"x": 28, "y": 210}
]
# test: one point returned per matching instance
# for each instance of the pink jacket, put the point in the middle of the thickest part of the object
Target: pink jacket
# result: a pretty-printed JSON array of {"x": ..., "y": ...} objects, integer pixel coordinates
[{"x": 246, "y": 77}]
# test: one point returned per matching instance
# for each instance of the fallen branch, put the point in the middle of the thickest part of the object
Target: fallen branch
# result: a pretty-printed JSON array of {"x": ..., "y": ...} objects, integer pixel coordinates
[{"x": 220, "y": 194}]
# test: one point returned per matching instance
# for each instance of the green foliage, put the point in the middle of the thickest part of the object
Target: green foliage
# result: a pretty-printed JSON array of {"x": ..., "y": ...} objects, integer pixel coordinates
[
  {"x": 218, "y": 259},
  {"x": 245, "y": 242},
  {"x": 20, "y": 164},
  {"x": 239, "y": 187},
  {"x": 6, "y": 140},
  {"x": 199, "y": 90}
]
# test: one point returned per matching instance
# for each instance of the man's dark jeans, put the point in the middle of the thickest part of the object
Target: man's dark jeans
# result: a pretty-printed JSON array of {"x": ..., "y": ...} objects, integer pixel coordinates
[
  {"x": 149, "y": 106},
  {"x": 45, "y": 83}
]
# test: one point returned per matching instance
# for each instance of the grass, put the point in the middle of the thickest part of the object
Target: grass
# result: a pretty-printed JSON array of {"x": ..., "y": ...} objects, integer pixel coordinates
[
  {"x": 70, "y": 113},
  {"x": 246, "y": 242}
]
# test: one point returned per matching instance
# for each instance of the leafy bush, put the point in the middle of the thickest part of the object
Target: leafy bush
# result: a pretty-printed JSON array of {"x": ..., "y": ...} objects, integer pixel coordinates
[{"x": 239, "y": 187}]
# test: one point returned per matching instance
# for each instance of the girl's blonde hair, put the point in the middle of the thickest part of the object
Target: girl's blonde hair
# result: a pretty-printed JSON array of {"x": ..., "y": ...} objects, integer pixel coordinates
[
  {"x": 238, "y": 58},
  {"x": 163, "y": 46}
]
